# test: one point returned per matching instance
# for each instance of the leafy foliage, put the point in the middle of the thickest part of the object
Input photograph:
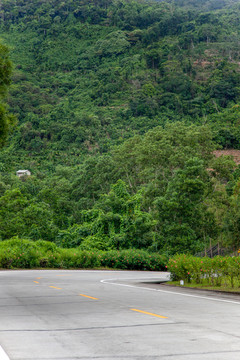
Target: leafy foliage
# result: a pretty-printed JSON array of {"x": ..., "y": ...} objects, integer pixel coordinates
[
  {"x": 21, "y": 253},
  {"x": 116, "y": 221},
  {"x": 219, "y": 271},
  {"x": 6, "y": 119},
  {"x": 120, "y": 105}
]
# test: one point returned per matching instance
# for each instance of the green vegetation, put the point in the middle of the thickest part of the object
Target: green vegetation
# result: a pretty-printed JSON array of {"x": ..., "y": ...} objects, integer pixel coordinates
[
  {"x": 120, "y": 105},
  {"x": 6, "y": 119},
  {"x": 88, "y": 76},
  {"x": 22, "y": 253},
  {"x": 164, "y": 200},
  {"x": 220, "y": 273}
]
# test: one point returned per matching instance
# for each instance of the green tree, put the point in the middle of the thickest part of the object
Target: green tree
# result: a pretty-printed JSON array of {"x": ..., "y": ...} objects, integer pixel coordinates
[
  {"x": 6, "y": 119},
  {"x": 116, "y": 221},
  {"x": 23, "y": 218},
  {"x": 150, "y": 160},
  {"x": 181, "y": 212},
  {"x": 12, "y": 204}
]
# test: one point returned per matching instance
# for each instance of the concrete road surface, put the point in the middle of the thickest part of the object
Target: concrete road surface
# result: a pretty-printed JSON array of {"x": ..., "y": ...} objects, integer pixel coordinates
[{"x": 105, "y": 315}]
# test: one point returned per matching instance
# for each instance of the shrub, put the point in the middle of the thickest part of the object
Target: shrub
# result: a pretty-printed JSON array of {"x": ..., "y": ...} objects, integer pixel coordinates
[
  {"x": 133, "y": 260},
  {"x": 18, "y": 253},
  {"x": 213, "y": 271},
  {"x": 22, "y": 253}
]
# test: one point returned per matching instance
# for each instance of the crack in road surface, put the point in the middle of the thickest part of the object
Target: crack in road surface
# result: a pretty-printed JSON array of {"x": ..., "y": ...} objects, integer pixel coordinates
[
  {"x": 92, "y": 328},
  {"x": 43, "y": 304}
]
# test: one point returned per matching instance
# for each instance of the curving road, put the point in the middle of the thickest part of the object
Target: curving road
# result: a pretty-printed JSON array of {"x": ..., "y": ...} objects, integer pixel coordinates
[{"x": 105, "y": 315}]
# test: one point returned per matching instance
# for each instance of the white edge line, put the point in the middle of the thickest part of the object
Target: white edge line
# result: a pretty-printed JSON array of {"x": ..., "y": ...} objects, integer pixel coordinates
[
  {"x": 108, "y": 281},
  {"x": 3, "y": 355}
]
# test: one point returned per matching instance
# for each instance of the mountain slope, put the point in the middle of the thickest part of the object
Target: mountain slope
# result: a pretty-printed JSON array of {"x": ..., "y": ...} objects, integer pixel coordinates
[
  {"x": 89, "y": 75},
  {"x": 120, "y": 105}
]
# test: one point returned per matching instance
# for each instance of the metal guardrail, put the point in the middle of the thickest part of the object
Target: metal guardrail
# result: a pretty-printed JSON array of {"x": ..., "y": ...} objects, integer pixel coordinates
[{"x": 214, "y": 251}]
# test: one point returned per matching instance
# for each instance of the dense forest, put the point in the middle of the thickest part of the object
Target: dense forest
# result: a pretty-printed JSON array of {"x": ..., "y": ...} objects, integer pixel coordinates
[{"x": 116, "y": 107}]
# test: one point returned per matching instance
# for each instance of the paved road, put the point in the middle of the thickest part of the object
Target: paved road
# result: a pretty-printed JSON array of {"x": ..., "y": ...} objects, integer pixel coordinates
[{"x": 105, "y": 315}]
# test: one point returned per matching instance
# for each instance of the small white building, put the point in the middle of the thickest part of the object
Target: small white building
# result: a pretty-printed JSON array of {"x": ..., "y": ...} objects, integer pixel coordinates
[{"x": 21, "y": 173}]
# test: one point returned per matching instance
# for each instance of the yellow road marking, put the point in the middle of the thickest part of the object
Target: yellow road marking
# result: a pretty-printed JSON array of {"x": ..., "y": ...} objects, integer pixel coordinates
[
  {"x": 54, "y": 287},
  {"x": 90, "y": 297},
  {"x": 39, "y": 278},
  {"x": 148, "y": 313},
  {"x": 36, "y": 282}
]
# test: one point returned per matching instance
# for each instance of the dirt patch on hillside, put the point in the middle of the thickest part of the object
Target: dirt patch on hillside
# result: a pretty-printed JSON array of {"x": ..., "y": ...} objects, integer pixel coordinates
[
  {"x": 230, "y": 152},
  {"x": 202, "y": 63}
]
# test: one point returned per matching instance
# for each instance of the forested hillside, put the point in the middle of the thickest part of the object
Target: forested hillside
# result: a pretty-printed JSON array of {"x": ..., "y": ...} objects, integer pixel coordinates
[{"x": 119, "y": 105}]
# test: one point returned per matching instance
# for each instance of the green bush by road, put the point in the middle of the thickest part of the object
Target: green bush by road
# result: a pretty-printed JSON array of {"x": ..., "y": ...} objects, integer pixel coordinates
[
  {"x": 217, "y": 272},
  {"x": 24, "y": 254}
]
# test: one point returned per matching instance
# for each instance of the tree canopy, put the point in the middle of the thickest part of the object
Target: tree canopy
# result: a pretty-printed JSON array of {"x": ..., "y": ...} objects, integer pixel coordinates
[{"x": 120, "y": 105}]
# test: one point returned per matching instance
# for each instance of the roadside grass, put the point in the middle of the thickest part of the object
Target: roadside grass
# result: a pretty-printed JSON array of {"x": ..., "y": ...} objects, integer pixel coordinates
[
  {"x": 219, "y": 273},
  {"x": 225, "y": 287}
]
